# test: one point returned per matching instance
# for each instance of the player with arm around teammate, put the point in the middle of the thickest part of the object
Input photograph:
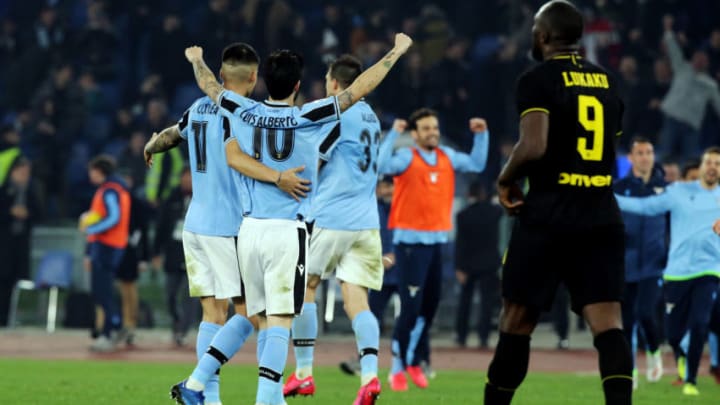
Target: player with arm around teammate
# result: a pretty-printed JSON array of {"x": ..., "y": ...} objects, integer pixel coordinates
[
  {"x": 214, "y": 216},
  {"x": 273, "y": 240},
  {"x": 345, "y": 238}
]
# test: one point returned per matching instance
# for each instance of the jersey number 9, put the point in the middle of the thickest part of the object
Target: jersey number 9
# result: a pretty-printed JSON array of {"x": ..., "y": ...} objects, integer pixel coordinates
[{"x": 591, "y": 117}]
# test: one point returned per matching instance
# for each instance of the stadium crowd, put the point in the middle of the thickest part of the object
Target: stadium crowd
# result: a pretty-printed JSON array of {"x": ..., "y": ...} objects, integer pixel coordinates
[
  {"x": 80, "y": 78},
  {"x": 83, "y": 77}
]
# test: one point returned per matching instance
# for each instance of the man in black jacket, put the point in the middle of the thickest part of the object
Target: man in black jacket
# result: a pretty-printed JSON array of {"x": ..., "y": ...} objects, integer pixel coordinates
[
  {"x": 168, "y": 253},
  {"x": 18, "y": 208},
  {"x": 477, "y": 260}
]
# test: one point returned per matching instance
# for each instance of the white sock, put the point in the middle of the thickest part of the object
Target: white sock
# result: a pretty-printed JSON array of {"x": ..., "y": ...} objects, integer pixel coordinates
[
  {"x": 303, "y": 372},
  {"x": 194, "y": 384}
]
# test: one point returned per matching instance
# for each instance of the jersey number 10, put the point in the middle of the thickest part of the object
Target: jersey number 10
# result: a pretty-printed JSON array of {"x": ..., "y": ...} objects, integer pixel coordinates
[
  {"x": 591, "y": 117},
  {"x": 270, "y": 136}
]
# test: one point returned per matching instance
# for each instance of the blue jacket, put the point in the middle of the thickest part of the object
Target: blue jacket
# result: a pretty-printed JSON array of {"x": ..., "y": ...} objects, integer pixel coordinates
[
  {"x": 694, "y": 247},
  {"x": 386, "y": 235},
  {"x": 645, "y": 236}
]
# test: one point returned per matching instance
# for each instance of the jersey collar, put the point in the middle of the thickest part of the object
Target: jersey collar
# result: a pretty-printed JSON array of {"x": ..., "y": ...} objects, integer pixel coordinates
[{"x": 276, "y": 104}]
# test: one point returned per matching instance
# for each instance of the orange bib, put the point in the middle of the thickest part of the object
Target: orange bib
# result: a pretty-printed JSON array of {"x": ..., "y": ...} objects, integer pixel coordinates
[
  {"x": 117, "y": 236},
  {"x": 423, "y": 195}
]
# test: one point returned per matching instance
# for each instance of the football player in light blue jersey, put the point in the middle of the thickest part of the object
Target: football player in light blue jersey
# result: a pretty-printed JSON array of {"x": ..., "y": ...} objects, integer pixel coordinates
[
  {"x": 215, "y": 212},
  {"x": 273, "y": 240},
  {"x": 346, "y": 237}
]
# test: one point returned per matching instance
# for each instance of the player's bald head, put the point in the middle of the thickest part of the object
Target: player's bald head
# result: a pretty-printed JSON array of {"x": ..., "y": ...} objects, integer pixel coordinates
[
  {"x": 239, "y": 63},
  {"x": 561, "y": 21}
]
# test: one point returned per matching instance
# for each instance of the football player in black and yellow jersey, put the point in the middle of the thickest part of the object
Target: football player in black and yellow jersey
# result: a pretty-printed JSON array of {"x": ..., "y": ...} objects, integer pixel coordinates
[{"x": 568, "y": 229}]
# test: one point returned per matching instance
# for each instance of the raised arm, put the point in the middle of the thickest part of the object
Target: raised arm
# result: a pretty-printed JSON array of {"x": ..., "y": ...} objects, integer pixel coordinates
[
  {"x": 371, "y": 78},
  {"x": 677, "y": 60},
  {"x": 387, "y": 162},
  {"x": 203, "y": 75},
  {"x": 476, "y": 161},
  {"x": 167, "y": 139},
  {"x": 646, "y": 206}
]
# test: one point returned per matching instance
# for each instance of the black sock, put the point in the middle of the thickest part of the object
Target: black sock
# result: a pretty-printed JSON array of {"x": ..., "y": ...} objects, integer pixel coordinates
[
  {"x": 615, "y": 366},
  {"x": 507, "y": 369}
]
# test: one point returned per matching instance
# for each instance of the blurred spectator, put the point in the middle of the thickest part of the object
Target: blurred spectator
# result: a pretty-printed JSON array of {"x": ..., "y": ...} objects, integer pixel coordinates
[
  {"x": 433, "y": 34},
  {"x": 216, "y": 30},
  {"x": 168, "y": 254},
  {"x": 447, "y": 87},
  {"x": 9, "y": 151},
  {"x": 649, "y": 118},
  {"x": 97, "y": 44},
  {"x": 123, "y": 126},
  {"x": 46, "y": 33},
  {"x": 18, "y": 211},
  {"x": 134, "y": 261},
  {"x": 133, "y": 160},
  {"x": 163, "y": 176},
  {"x": 684, "y": 105},
  {"x": 712, "y": 48},
  {"x": 629, "y": 91},
  {"x": 477, "y": 262},
  {"x": 166, "y": 53},
  {"x": 672, "y": 171},
  {"x": 691, "y": 171}
]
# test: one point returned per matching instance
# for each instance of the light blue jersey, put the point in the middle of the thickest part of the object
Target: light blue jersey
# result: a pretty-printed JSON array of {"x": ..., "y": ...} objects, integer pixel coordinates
[
  {"x": 282, "y": 137},
  {"x": 215, "y": 208},
  {"x": 395, "y": 164},
  {"x": 694, "y": 247},
  {"x": 345, "y": 198}
]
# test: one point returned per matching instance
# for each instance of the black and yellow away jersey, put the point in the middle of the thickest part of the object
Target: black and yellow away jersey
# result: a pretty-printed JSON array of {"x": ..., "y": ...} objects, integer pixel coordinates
[{"x": 571, "y": 184}]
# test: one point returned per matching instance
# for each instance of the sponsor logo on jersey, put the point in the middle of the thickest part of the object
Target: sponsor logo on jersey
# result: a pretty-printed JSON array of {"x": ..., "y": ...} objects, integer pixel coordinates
[{"x": 584, "y": 180}]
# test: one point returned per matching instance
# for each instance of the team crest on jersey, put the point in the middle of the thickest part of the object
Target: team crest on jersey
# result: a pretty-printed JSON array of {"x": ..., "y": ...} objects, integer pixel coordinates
[
  {"x": 413, "y": 289},
  {"x": 669, "y": 307},
  {"x": 658, "y": 190},
  {"x": 434, "y": 177}
]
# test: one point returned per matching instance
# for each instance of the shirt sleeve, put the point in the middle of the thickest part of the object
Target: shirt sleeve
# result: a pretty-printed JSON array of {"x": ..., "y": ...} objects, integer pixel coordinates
[
  {"x": 476, "y": 160},
  {"x": 233, "y": 104},
  {"x": 112, "y": 207},
  {"x": 646, "y": 206},
  {"x": 183, "y": 124},
  {"x": 389, "y": 163},
  {"x": 531, "y": 95},
  {"x": 320, "y": 111},
  {"x": 331, "y": 133}
]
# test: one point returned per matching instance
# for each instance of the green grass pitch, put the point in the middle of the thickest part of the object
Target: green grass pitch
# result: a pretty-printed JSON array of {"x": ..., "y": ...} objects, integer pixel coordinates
[{"x": 76, "y": 382}]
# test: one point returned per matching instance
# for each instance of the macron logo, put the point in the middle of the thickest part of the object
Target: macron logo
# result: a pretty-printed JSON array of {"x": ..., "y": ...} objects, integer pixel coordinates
[
  {"x": 301, "y": 269},
  {"x": 669, "y": 307},
  {"x": 413, "y": 290}
]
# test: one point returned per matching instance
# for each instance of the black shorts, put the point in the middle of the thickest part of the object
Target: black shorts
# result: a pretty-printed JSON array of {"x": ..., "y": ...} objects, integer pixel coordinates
[
  {"x": 590, "y": 262},
  {"x": 127, "y": 271}
]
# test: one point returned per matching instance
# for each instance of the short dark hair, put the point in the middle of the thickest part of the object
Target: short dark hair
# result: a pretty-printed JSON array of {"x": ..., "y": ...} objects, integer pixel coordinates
[
  {"x": 420, "y": 114},
  {"x": 639, "y": 139},
  {"x": 104, "y": 163},
  {"x": 564, "y": 21},
  {"x": 715, "y": 150},
  {"x": 283, "y": 70},
  {"x": 345, "y": 70},
  {"x": 240, "y": 53},
  {"x": 691, "y": 165}
]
